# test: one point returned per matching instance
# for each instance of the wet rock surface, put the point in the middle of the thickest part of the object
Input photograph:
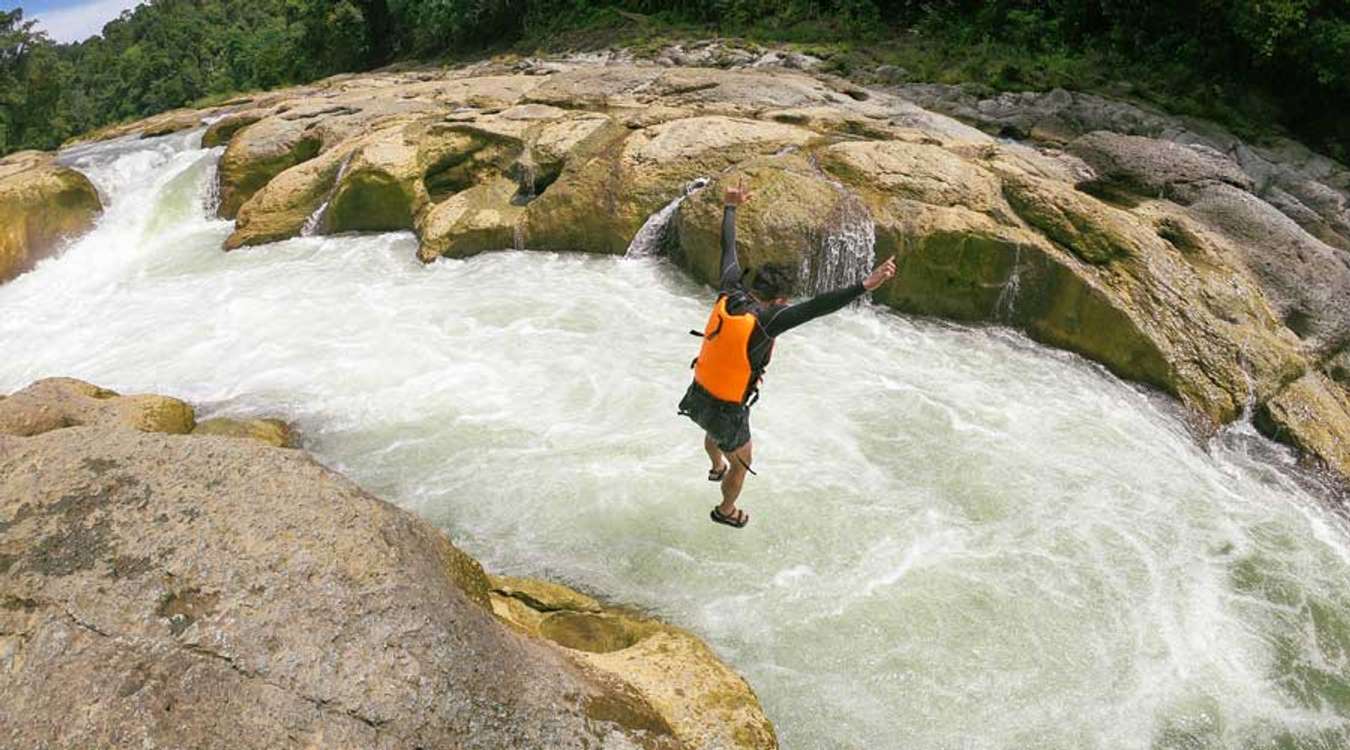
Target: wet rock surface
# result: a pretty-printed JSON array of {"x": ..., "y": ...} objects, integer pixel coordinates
[
  {"x": 41, "y": 203},
  {"x": 666, "y": 665}
]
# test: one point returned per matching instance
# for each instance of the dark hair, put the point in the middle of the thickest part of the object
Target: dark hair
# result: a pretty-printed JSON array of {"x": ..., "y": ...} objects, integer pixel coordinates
[{"x": 771, "y": 281}]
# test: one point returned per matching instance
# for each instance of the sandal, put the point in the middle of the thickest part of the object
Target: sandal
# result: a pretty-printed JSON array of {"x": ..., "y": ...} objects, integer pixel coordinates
[
  {"x": 716, "y": 475},
  {"x": 737, "y": 520}
]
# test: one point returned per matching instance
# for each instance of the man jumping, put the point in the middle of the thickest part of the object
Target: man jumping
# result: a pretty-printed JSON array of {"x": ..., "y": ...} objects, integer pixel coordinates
[{"x": 737, "y": 345}]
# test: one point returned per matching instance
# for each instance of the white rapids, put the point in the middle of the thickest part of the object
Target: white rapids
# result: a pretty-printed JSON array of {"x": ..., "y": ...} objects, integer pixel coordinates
[{"x": 960, "y": 539}]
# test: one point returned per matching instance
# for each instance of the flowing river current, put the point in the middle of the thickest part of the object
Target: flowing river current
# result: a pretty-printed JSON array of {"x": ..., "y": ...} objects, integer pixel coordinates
[{"x": 960, "y": 539}]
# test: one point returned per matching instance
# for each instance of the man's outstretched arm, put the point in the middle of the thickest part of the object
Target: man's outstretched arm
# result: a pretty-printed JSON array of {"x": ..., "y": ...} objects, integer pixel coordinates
[
  {"x": 827, "y": 302},
  {"x": 729, "y": 272}
]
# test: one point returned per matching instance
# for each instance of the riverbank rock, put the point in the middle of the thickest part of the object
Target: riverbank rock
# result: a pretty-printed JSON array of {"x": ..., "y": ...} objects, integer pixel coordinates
[
  {"x": 666, "y": 665},
  {"x": 271, "y": 431},
  {"x": 56, "y": 403},
  {"x": 1307, "y": 187},
  {"x": 41, "y": 203},
  {"x": 203, "y": 591}
]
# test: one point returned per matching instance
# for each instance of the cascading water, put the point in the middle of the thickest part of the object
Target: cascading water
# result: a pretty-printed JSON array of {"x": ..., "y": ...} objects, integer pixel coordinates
[
  {"x": 843, "y": 251},
  {"x": 1006, "y": 304},
  {"x": 314, "y": 224},
  {"x": 652, "y": 235},
  {"x": 960, "y": 539}
]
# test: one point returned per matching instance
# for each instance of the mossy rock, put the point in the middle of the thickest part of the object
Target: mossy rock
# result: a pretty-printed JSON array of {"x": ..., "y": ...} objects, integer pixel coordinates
[
  {"x": 41, "y": 203},
  {"x": 56, "y": 403},
  {"x": 543, "y": 596},
  {"x": 474, "y": 220},
  {"x": 258, "y": 153},
  {"x": 1313, "y": 414},
  {"x": 221, "y": 131},
  {"x": 271, "y": 431},
  {"x": 1086, "y": 227},
  {"x": 703, "y": 701},
  {"x": 782, "y": 224},
  {"x": 281, "y": 209}
]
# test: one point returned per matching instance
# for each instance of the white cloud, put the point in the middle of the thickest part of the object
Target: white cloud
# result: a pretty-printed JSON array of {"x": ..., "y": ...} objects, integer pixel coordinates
[{"x": 79, "y": 22}]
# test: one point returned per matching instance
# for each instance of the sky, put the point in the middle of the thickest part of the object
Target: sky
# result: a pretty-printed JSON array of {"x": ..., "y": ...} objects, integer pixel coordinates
[{"x": 71, "y": 20}]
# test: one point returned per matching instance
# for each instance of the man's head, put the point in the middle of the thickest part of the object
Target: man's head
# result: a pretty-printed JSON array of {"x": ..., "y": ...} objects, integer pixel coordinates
[{"x": 771, "y": 281}]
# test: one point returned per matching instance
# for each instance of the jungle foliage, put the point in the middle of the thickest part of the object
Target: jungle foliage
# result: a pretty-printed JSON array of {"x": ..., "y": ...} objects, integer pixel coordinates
[{"x": 1257, "y": 65}]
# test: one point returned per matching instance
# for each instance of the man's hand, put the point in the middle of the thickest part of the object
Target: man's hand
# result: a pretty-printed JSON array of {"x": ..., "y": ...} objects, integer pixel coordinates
[
  {"x": 880, "y": 275},
  {"x": 735, "y": 196}
]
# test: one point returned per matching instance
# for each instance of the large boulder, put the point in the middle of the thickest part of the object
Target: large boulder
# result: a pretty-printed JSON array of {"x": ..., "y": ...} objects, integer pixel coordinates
[
  {"x": 1305, "y": 280},
  {"x": 630, "y": 175},
  {"x": 56, "y": 403},
  {"x": 666, "y": 665},
  {"x": 259, "y": 152},
  {"x": 206, "y": 591},
  {"x": 794, "y": 210},
  {"x": 1309, "y": 188},
  {"x": 41, "y": 203}
]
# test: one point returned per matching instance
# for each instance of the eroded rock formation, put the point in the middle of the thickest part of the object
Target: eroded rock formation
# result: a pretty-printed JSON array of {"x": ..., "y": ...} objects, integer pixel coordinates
[{"x": 41, "y": 202}]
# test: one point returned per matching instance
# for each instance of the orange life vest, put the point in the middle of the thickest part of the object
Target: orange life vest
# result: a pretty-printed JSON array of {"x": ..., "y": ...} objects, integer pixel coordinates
[{"x": 723, "y": 366}]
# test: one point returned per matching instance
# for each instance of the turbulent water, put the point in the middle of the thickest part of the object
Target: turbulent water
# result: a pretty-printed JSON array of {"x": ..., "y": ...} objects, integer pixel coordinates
[{"x": 959, "y": 539}]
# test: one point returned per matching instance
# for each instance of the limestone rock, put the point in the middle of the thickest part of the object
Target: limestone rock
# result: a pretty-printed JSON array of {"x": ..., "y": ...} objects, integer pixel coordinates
[
  {"x": 221, "y": 131},
  {"x": 41, "y": 203},
  {"x": 471, "y": 221},
  {"x": 259, "y": 152},
  {"x": 542, "y": 596},
  {"x": 1314, "y": 415},
  {"x": 271, "y": 431},
  {"x": 631, "y": 175},
  {"x": 917, "y": 171},
  {"x": 184, "y": 591},
  {"x": 56, "y": 403},
  {"x": 171, "y": 122},
  {"x": 1091, "y": 230},
  {"x": 281, "y": 208},
  {"x": 1309, "y": 188},
  {"x": 1306, "y": 281},
  {"x": 1135, "y": 165},
  {"x": 706, "y": 704},
  {"x": 783, "y": 224}
]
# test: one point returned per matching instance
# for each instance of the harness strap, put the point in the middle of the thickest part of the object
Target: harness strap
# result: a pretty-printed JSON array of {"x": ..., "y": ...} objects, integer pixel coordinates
[{"x": 746, "y": 465}]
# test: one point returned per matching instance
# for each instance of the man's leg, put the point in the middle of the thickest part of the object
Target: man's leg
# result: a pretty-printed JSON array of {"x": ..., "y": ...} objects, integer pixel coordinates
[
  {"x": 731, "y": 483},
  {"x": 714, "y": 453}
]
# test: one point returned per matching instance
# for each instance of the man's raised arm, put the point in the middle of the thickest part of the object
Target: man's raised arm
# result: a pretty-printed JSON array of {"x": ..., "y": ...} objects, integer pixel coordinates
[
  {"x": 827, "y": 302},
  {"x": 730, "y": 270}
]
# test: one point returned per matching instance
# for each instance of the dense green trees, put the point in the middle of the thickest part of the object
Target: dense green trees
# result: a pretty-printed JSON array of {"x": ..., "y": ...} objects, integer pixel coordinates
[{"x": 167, "y": 53}]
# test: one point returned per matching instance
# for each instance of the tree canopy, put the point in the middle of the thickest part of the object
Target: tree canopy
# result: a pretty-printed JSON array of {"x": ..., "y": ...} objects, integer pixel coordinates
[{"x": 167, "y": 53}]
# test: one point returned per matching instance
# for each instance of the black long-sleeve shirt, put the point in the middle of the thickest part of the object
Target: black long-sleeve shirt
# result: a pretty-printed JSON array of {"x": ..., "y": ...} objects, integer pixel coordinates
[{"x": 774, "y": 319}]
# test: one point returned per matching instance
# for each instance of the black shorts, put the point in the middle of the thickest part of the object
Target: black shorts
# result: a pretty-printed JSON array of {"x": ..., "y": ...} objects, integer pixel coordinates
[{"x": 728, "y": 423}]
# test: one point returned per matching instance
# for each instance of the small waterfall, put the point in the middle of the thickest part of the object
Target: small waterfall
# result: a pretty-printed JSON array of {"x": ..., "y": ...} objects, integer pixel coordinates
[
  {"x": 843, "y": 248},
  {"x": 652, "y": 235},
  {"x": 1012, "y": 286},
  {"x": 211, "y": 196},
  {"x": 314, "y": 224},
  {"x": 527, "y": 175}
]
